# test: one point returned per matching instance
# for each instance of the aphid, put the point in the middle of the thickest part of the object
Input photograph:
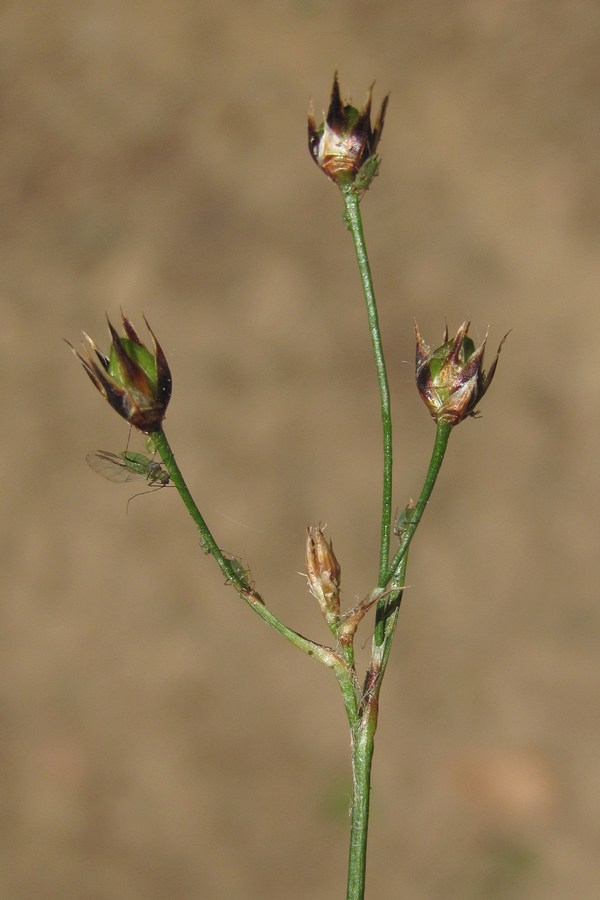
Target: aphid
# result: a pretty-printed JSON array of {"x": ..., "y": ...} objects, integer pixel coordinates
[
  {"x": 127, "y": 466},
  {"x": 240, "y": 571}
]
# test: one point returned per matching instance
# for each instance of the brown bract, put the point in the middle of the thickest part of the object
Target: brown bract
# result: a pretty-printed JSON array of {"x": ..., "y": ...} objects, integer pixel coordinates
[{"x": 323, "y": 572}]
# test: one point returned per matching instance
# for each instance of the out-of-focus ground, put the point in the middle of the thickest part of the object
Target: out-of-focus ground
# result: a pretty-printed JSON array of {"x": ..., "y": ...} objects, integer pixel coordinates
[{"x": 157, "y": 740}]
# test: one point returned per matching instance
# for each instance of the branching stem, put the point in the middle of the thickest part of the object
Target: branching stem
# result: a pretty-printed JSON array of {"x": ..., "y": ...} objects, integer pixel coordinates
[
  {"x": 324, "y": 654},
  {"x": 364, "y": 725}
]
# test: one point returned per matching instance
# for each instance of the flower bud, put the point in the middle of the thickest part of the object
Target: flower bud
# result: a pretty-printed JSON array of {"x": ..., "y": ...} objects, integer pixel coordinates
[
  {"x": 451, "y": 380},
  {"x": 323, "y": 573},
  {"x": 134, "y": 380},
  {"x": 344, "y": 145}
]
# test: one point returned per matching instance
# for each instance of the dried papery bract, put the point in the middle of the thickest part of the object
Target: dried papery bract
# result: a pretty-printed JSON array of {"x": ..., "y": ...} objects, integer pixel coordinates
[
  {"x": 323, "y": 573},
  {"x": 344, "y": 145},
  {"x": 134, "y": 380},
  {"x": 451, "y": 379}
]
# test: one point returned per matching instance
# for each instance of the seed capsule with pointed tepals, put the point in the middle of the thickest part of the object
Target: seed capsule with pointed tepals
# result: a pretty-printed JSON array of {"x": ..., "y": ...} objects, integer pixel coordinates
[
  {"x": 135, "y": 381},
  {"x": 451, "y": 379},
  {"x": 344, "y": 145}
]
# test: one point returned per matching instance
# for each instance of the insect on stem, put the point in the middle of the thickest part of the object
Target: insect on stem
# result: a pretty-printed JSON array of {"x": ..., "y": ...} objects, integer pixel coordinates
[{"x": 128, "y": 466}]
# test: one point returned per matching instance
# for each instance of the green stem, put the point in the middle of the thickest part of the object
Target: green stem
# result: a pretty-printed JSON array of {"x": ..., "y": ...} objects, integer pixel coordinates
[
  {"x": 342, "y": 664},
  {"x": 363, "y": 742},
  {"x": 354, "y": 220},
  {"x": 363, "y": 733},
  {"x": 348, "y": 686},
  {"x": 442, "y": 435},
  {"x": 324, "y": 654},
  {"x": 392, "y": 609},
  {"x": 207, "y": 542}
]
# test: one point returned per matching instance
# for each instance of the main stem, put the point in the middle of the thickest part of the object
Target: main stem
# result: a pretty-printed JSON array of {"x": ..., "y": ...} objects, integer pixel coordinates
[
  {"x": 364, "y": 725},
  {"x": 363, "y": 744},
  {"x": 354, "y": 220}
]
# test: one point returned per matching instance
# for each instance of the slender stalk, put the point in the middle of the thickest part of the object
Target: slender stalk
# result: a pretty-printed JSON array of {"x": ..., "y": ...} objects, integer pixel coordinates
[
  {"x": 390, "y": 612},
  {"x": 395, "y": 572},
  {"x": 354, "y": 220},
  {"x": 364, "y": 727},
  {"x": 349, "y": 688},
  {"x": 440, "y": 445},
  {"x": 363, "y": 743},
  {"x": 207, "y": 541},
  {"x": 324, "y": 654}
]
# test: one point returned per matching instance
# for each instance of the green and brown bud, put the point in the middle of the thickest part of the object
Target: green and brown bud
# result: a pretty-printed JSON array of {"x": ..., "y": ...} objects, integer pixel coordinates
[
  {"x": 323, "y": 574},
  {"x": 344, "y": 145},
  {"x": 451, "y": 380},
  {"x": 135, "y": 381}
]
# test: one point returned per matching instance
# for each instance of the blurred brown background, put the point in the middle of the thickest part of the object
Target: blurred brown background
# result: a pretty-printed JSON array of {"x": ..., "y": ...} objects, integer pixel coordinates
[{"x": 157, "y": 740}]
